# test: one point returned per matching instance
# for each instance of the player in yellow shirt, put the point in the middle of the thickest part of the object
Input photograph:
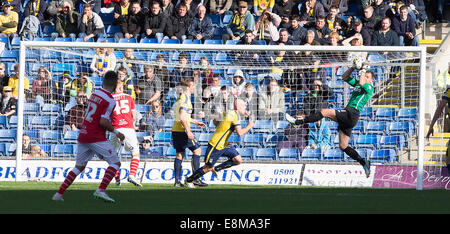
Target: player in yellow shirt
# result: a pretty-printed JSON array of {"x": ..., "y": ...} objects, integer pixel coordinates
[
  {"x": 182, "y": 136},
  {"x": 218, "y": 144}
]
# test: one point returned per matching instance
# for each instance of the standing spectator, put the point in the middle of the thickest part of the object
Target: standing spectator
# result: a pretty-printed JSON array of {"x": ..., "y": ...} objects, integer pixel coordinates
[
  {"x": 416, "y": 9},
  {"x": 358, "y": 30},
  {"x": 220, "y": 6},
  {"x": 241, "y": 21},
  {"x": 437, "y": 6},
  {"x": 36, "y": 8},
  {"x": 44, "y": 87},
  {"x": 182, "y": 71},
  {"x": 121, "y": 11},
  {"x": 131, "y": 26},
  {"x": 342, "y": 5},
  {"x": 246, "y": 56},
  {"x": 90, "y": 25},
  {"x": 155, "y": 23},
  {"x": 309, "y": 12},
  {"x": 385, "y": 36},
  {"x": 317, "y": 97},
  {"x": 223, "y": 102},
  {"x": 266, "y": 28},
  {"x": 66, "y": 22},
  {"x": 259, "y": 6},
  {"x": 206, "y": 73},
  {"x": 201, "y": 27},
  {"x": 149, "y": 87},
  {"x": 212, "y": 91},
  {"x": 104, "y": 60},
  {"x": 13, "y": 82},
  {"x": 63, "y": 85},
  {"x": 250, "y": 96},
  {"x": 271, "y": 101},
  {"x": 321, "y": 31},
  {"x": 55, "y": 7},
  {"x": 154, "y": 120},
  {"x": 3, "y": 77},
  {"x": 84, "y": 84},
  {"x": 178, "y": 25},
  {"x": 380, "y": 8},
  {"x": 128, "y": 62},
  {"x": 8, "y": 102},
  {"x": 9, "y": 21},
  {"x": 163, "y": 73},
  {"x": 237, "y": 84},
  {"x": 127, "y": 82},
  {"x": 285, "y": 9},
  {"x": 167, "y": 8},
  {"x": 75, "y": 116},
  {"x": 404, "y": 26},
  {"x": 297, "y": 135},
  {"x": 319, "y": 136}
]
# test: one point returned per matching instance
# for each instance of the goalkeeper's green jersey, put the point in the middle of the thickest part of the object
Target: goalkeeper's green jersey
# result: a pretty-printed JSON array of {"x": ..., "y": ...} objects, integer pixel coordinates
[{"x": 360, "y": 95}]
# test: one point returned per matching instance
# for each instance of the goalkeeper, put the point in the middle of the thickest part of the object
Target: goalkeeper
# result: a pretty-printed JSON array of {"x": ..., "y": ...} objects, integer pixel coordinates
[{"x": 347, "y": 118}]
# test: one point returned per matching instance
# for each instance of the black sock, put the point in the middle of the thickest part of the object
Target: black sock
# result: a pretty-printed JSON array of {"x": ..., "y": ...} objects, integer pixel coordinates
[
  {"x": 354, "y": 155},
  {"x": 448, "y": 168},
  {"x": 314, "y": 117}
]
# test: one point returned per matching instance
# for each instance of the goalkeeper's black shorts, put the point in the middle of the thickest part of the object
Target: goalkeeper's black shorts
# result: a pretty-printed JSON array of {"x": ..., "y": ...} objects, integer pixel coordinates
[{"x": 347, "y": 119}]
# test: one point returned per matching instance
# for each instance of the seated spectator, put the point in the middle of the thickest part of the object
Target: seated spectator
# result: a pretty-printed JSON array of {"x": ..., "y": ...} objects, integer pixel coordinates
[
  {"x": 104, "y": 60},
  {"x": 271, "y": 101},
  {"x": 277, "y": 61},
  {"x": 128, "y": 62},
  {"x": 96, "y": 5},
  {"x": 178, "y": 25},
  {"x": 3, "y": 77},
  {"x": 334, "y": 22},
  {"x": 201, "y": 27},
  {"x": 121, "y": 11},
  {"x": 212, "y": 91},
  {"x": 358, "y": 30},
  {"x": 416, "y": 9},
  {"x": 404, "y": 26},
  {"x": 26, "y": 147},
  {"x": 198, "y": 105},
  {"x": 297, "y": 33},
  {"x": 334, "y": 56},
  {"x": 155, "y": 23},
  {"x": 250, "y": 96},
  {"x": 63, "y": 88},
  {"x": 167, "y": 8},
  {"x": 37, "y": 152},
  {"x": 317, "y": 97},
  {"x": 296, "y": 135},
  {"x": 341, "y": 5},
  {"x": 149, "y": 87},
  {"x": 163, "y": 73},
  {"x": 181, "y": 71},
  {"x": 309, "y": 12},
  {"x": 319, "y": 136},
  {"x": 66, "y": 22},
  {"x": 8, "y": 102},
  {"x": 237, "y": 84},
  {"x": 245, "y": 56},
  {"x": 380, "y": 8},
  {"x": 81, "y": 84},
  {"x": 242, "y": 20},
  {"x": 370, "y": 20},
  {"x": 132, "y": 23},
  {"x": 220, "y": 7},
  {"x": 9, "y": 20},
  {"x": 266, "y": 27},
  {"x": 206, "y": 73},
  {"x": 191, "y": 6},
  {"x": 284, "y": 38},
  {"x": 127, "y": 82},
  {"x": 55, "y": 7},
  {"x": 90, "y": 25},
  {"x": 259, "y": 6},
  {"x": 15, "y": 5},
  {"x": 154, "y": 120},
  {"x": 36, "y": 8},
  {"x": 75, "y": 115},
  {"x": 13, "y": 82},
  {"x": 385, "y": 36},
  {"x": 44, "y": 87},
  {"x": 310, "y": 38},
  {"x": 321, "y": 31},
  {"x": 147, "y": 151},
  {"x": 285, "y": 9}
]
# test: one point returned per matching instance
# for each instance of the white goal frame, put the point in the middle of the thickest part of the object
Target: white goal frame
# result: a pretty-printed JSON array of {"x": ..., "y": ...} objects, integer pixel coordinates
[{"x": 24, "y": 45}]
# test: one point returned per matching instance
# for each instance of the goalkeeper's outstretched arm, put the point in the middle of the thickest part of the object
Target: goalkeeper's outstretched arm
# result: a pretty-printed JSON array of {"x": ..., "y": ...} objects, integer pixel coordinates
[{"x": 347, "y": 73}]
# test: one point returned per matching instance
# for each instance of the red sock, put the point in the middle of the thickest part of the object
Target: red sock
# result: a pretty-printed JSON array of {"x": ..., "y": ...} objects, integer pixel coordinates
[
  {"x": 109, "y": 174},
  {"x": 117, "y": 176},
  {"x": 134, "y": 165},
  {"x": 68, "y": 181}
]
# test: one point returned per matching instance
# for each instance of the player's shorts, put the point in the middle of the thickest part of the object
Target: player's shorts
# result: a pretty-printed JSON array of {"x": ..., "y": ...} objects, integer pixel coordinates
[
  {"x": 103, "y": 149},
  {"x": 181, "y": 141},
  {"x": 212, "y": 154},
  {"x": 347, "y": 119},
  {"x": 130, "y": 142}
]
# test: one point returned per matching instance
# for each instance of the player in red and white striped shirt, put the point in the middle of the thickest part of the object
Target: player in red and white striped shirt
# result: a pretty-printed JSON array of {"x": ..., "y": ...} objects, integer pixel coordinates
[
  {"x": 122, "y": 119},
  {"x": 92, "y": 138}
]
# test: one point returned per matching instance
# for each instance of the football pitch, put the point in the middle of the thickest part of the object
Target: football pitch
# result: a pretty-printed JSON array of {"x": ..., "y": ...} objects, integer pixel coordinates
[{"x": 35, "y": 198}]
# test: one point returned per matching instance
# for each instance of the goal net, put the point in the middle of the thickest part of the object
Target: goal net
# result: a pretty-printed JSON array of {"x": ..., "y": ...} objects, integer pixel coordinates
[{"x": 272, "y": 79}]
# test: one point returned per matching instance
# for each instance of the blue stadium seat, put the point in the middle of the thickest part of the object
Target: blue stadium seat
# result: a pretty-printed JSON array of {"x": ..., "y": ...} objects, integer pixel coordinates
[
  {"x": 281, "y": 125},
  {"x": 198, "y": 55},
  {"x": 148, "y": 40},
  {"x": 127, "y": 40},
  {"x": 226, "y": 19},
  {"x": 6, "y": 41},
  {"x": 42, "y": 39},
  {"x": 234, "y": 139},
  {"x": 366, "y": 113},
  {"x": 107, "y": 18},
  {"x": 63, "y": 150},
  {"x": 263, "y": 125},
  {"x": 331, "y": 124},
  {"x": 261, "y": 42},
  {"x": 376, "y": 127},
  {"x": 253, "y": 140},
  {"x": 4, "y": 149},
  {"x": 162, "y": 138},
  {"x": 170, "y": 152},
  {"x": 289, "y": 154},
  {"x": 41, "y": 122},
  {"x": 407, "y": 113},
  {"x": 170, "y": 41},
  {"x": 385, "y": 113},
  {"x": 31, "y": 108},
  {"x": 335, "y": 139},
  {"x": 4, "y": 121},
  {"x": 60, "y": 68},
  {"x": 232, "y": 42},
  {"x": 15, "y": 43},
  {"x": 403, "y": 128},
  {"x": 50, "y": 137},
  {"x": 266, "y": 154},
  {"x": 392, "y": 141},
  {"x": 336, "y": 155},
  {"x": 367, "y": 141},
  {"x": 273, "y": 139},
  {"x": 51, "y": 109},
  {"x": 107, "y": 39},
  {"x": 363, "y": 153},
  {"x": 311, "y": 154},
  {"x": 80, "y": 39},
  {"x": 74, "y": 57},
  {"x": 156, "y": 153},
  {"x": 64, "y": 39},
  {"x": 11, "y": 56},
  {"x": 191, "y": 41},
  {"x": 112, "y": 29},
  {"x": 360, "y": 127},
  {"x": 50, "y": 56},
  {"x": 48, "y": 30},
  {"x": 212, "y": 42},
  {"x": 383, "y": 155},
  {"x": 204, "y": 138},
  {"x": 71, "y": 136},
  {"x": 216, "y": 19},
  {"x": 144, "y": 109},
  {"x": 221, "y": 59},
  {"x": 8, "y": 135},
  {"x": 247, "y": 153},
  {"x": 168, "y": 124}
]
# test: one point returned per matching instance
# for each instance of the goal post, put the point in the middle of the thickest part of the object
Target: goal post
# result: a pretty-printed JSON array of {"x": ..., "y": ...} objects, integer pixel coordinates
[{"x": 394, "y": 66}]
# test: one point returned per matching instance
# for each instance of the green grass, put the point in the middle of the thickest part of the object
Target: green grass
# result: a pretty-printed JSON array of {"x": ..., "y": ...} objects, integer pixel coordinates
[{"x": 35, "y": 198}]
